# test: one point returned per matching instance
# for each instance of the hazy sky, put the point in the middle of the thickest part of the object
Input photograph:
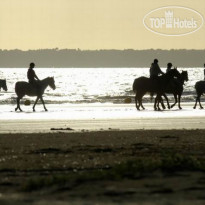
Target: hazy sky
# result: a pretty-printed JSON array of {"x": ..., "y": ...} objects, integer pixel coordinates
[{"x": 89, "y": 24}]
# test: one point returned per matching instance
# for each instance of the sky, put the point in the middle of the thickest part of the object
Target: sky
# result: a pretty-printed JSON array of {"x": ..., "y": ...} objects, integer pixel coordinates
[{"x": 89, "y": 25}]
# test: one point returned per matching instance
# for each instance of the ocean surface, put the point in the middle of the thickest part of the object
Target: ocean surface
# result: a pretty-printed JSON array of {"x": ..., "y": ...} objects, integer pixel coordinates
[{"x": 90, "y": 85}]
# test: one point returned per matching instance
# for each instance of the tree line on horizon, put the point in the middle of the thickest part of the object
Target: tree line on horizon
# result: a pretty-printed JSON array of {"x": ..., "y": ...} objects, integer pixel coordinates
[{"x": 76, "y": 58}]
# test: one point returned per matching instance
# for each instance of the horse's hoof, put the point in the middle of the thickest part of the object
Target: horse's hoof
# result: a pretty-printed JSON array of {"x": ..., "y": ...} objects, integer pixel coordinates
[
  {"x": 202, "y": 108},
  {"x": 180, "y": 108},
  {"x": 34, "y": 111},
  {"x": 46, "y": 110},
  {"x": 194, "y": 107},
  {"x": 16, "y": 109}
]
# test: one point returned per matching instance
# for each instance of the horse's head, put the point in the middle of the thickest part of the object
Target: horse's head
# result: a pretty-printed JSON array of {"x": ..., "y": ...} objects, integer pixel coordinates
[
  {"x": 184, "y": 75},
  {"x": 3, "y": 85},
  {"x": 51, "y": 83}
]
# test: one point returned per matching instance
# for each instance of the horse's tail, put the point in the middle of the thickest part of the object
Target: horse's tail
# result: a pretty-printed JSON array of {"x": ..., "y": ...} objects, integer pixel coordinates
[
  {"x": 200, "y": 87},
  {"x": 16, "y": 85},
  {"x": 19, "y": 88},
  {"x": 134, "y": 86},
  {"x": 197, "y": 85}
]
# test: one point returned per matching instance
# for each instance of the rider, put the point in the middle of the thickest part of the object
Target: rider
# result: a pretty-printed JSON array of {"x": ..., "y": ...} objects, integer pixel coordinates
[
  {"x": 155, "y": 70},
  {"x": 32, "y": 77},
  {"x": 169, "y": 67}
]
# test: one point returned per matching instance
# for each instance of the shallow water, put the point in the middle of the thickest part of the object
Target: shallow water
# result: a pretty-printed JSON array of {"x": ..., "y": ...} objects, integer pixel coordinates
[{"x": 89, "y": 85}]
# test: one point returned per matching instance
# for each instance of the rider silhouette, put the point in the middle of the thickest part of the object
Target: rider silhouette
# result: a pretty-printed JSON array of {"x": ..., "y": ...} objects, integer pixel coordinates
[
  {"x": 32, "y": 77},
  {"x": 155, "y": 70},
  {"x": 169, "y": 67}
]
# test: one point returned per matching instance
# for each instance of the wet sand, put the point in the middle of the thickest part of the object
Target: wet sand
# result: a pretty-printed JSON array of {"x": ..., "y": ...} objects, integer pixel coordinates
[
  {"x": 94, "y": 117},
  {"x": 40, "y": 168}
]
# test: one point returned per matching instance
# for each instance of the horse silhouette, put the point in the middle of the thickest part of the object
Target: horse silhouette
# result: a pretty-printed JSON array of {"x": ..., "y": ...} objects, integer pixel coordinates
[
  {"x": 3, "y": 85},
  {"x": 142, "y": 85},
  {"x": 200, "y": 89},
  {"x": 24, "y": 88},
  {"x": 175, "y": 87}
]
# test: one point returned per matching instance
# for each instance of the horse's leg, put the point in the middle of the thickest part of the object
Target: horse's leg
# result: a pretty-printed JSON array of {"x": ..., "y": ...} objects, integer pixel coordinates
[
  {"x": 175, "y": 98},
  {"x": 136, "y": 100},
  {"x": 166, "y": 98},
  {"x": 142, "y": 105},
  {"x": 35, "y": 103},
  {"x": 162, "y": 103},
  {"x": 43, "y": 103},
  {"x": 156, "y": 103},
  {"x": 140, "y": 100},
  {"x": 159, "y": 101},
  {"x": 179, "y": 101},
  {"x": 18, "y": 104},
  {"x": 196, "y": 101},
  {"x": 199, "y": 99}
]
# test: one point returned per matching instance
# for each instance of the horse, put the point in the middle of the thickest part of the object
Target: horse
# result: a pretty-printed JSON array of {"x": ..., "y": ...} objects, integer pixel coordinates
[
  {"x": 200, "y": 89},
  {"x": 24, "y": 88},
  {"x": 175, "y": 87},
  {"x": 142, "y": 85},
  {"x": 3, "y": 85}
]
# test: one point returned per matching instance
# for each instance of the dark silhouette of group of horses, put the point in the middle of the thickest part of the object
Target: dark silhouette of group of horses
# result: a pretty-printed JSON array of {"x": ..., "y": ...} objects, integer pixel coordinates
[{"x": 171, "y": 82}]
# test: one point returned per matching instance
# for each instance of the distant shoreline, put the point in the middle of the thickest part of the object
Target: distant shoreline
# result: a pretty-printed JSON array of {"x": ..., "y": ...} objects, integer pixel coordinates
[{"x": 76, "y": 58}]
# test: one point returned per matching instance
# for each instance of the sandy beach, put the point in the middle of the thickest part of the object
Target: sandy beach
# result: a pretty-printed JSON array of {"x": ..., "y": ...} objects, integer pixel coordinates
[
  {"x": 102, "y": 154},
  {"x": 75, "y": 168}
]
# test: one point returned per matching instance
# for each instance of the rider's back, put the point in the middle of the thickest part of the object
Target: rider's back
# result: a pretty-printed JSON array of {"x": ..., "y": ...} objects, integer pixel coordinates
[
  {"x": 154, "y": 70},
  {"x": 31, "y": 75}
]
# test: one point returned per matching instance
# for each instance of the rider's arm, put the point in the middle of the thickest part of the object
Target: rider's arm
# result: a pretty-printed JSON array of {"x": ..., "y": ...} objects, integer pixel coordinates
[
  {"x": 160, "y": 71},
  {"x": 36, "y": 77}
]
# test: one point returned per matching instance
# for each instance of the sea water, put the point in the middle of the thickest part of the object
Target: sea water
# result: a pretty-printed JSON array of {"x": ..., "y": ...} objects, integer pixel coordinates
[{"x": 90, "y": 85}]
